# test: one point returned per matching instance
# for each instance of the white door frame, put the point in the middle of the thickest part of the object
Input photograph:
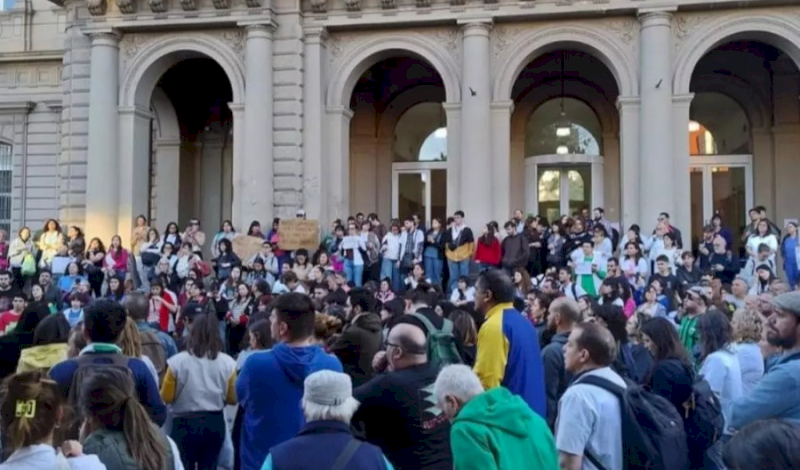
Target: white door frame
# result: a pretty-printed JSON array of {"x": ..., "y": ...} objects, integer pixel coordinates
[
  {"x": 532, "y": 165},
  {"x": 706, "y": 163},
  {"x": 416, "y": 168}
]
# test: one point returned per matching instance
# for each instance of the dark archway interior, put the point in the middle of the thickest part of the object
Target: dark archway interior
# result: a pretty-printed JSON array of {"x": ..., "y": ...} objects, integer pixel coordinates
[
  {"x": 389, "y": 78},
  {"x": 200, "y": 92},
  {"x": 578, "y": 66}
]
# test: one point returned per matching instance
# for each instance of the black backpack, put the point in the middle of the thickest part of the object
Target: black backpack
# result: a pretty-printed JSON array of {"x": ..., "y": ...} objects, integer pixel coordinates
[
  {"x": 702, "y": 417},
  {"x": 653, "y": 437}
]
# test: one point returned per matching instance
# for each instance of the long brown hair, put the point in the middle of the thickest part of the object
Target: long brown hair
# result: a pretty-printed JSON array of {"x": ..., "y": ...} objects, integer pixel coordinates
[
  {"x": 108, "y": 398},
  {"x": 465, "y": 325},
  {"x": 30, "y": 407},
  {"x": 204, "y": 339}
]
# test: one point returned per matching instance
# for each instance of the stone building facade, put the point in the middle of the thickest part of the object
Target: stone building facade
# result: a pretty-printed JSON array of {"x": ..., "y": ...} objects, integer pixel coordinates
[{"x": 251, "y": 109}]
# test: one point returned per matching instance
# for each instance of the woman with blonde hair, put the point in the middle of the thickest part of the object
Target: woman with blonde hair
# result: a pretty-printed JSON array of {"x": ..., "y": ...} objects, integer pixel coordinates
[
  {"x": 30, "y": 412},
  {"x": 130, "y": 341},
  {"x": 325, "y": 327},
  {"x": 747, "y": 327}
]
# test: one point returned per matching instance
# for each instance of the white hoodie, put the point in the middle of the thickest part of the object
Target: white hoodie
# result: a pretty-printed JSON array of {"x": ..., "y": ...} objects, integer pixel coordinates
[{"x": 45, "y": 457}]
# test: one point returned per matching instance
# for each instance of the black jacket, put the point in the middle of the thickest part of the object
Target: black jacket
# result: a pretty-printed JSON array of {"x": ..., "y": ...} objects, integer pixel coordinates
[
  {"x": 357, "y": 345},
  {"x": 556, "y": 377}
]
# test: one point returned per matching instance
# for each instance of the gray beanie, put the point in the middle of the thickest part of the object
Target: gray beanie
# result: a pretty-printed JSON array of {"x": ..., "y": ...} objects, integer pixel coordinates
[
  {"x": 788, "y": 302},
  {"x": 328, "y": 388}
]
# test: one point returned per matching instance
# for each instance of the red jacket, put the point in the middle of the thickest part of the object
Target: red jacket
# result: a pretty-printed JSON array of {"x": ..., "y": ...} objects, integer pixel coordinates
[{"x": 488, "y": 254}]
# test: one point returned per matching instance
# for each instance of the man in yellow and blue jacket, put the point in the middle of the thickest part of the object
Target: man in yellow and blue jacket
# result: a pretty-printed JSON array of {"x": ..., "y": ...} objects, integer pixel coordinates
[{"x": 508, "y": 346}]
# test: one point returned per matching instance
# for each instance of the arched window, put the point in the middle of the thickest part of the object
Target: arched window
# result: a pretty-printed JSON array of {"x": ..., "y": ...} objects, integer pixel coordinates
[
  {"x": 718, "y": 126},
  {"x": 421, "y": 134},
  {"x": 6, "y": 168},
  {"x": 575, "y": 132}
]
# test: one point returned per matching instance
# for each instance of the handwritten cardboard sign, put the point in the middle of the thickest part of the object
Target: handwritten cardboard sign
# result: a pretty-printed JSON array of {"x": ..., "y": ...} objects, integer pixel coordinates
[
  {"x": 246, "y": 246},
  {"x": 298, "y": 233}
]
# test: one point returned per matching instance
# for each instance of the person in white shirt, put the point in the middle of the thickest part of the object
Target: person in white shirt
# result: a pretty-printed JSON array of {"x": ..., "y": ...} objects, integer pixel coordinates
[
  {"x": 566, "y": 286},
  {"x": 412, "y": 240},
  {"x": 352, "y": 248},
  {"x": 463, "y": 293},
  {"x": 764, "y": 236},
  {"x": 390, "y": 251},
  {"x": 589, "y": 419}
]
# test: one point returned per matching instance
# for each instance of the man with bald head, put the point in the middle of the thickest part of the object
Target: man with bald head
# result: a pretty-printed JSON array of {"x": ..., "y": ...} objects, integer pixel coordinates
[{"x": 399, "y": 411}]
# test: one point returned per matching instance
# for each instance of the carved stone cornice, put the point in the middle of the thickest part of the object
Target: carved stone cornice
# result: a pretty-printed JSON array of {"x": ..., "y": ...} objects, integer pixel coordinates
[
  {"x": 255, "y": 3},
  {"x": 222, "y": 4},
  {"x": 352, "y": 5},
  {"x": 319, "y": 6},
  {"x": 158, "y": 6},
  {"x": 189, "y": 5},
  {"x": 388, "y": 4},
  {"x": 126, "y": 6},
  {"x": 96, "y": 7}
]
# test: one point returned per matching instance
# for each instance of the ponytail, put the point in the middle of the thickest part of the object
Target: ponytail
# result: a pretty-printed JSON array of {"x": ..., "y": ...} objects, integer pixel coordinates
[
  {"x": 109, "y": 398},
  {"x": 145, "y": 442}
]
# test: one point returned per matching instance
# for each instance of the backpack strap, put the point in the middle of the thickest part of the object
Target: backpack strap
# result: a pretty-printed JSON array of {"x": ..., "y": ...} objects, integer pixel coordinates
[
  {"x": 447, "y": 326},
  {"x": 427, "y": 323},
  {"x": 600, "y": 382},
  {"x": 347, "y": 455},
  {"x": 590, "y": 456}
]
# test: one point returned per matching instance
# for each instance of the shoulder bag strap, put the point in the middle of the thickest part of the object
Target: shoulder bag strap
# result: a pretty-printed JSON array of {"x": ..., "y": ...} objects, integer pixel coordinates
[
  {"x": 346, "y": 455},
  {"x": 590, "y": 456}
]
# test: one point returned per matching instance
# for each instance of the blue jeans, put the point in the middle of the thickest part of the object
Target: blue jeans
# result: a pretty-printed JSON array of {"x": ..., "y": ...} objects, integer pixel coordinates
[
  {"x": 433, "y": 268},
  {"x": 353, "y": 272},
  {"x": 791, "y": 273},
  {"x": 390, "y": 270},
  {"x": 457, "y": 269}
]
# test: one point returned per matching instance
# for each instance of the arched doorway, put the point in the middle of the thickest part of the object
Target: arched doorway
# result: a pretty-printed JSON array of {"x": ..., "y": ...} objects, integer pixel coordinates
[
  {"x": 564, "y": 140},
  {"x": 203, "y": 159},
  {"x": 743, "y": 127},
  {"x": 398, "y": 141}
]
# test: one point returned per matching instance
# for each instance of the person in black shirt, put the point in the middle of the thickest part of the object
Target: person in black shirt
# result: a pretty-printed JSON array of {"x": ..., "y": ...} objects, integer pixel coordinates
[
  {"x": 398, "y": 410},
  {"x": 7, "y": 291},
  {"x": 668, "y": 281}
]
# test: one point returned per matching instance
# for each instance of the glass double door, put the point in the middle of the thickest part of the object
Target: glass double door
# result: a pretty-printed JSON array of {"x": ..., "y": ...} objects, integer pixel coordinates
[
  {"x": 563, "y": 189},
  {"x": 721, "y": 186},
  {"x": 419, "y": 188}
]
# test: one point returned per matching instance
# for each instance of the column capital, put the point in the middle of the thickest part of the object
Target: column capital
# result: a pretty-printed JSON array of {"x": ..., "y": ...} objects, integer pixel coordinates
[
  {"x": 236, "y": 107},
  {"x": 104, "y": 37},
  {"x": 655, "y": 16},
  {"x": 342, "y": 110},
  {"x": 476, "y": 26},
  {"x": 135, "y": 111},
  {"x": 451, "y": 106},
  {"x": 683, "y": 100},
  {"x": 628, "y": 101},
  {"x": 315, "y": 34},
  {"x": 259, "y": 29},
  {"x": 503, "y": 105}
]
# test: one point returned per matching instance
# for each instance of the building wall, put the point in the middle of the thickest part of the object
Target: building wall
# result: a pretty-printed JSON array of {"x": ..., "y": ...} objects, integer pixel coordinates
[{"x": 319, "y": 154}]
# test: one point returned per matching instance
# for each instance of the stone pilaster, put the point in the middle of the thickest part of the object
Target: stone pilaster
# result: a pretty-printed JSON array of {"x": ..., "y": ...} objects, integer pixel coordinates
[
  {"x": 629, "y": 160},
  {"x": 501, "y": 157},
  {"x": 255, "y": 194},
  {"x": 103, "y": 169},
  {"x": 314, "y": 166},
  {"x": 657, "y": 193},
  {"x": 681, "y": 162},
  {"x": 477, "y": 172}
]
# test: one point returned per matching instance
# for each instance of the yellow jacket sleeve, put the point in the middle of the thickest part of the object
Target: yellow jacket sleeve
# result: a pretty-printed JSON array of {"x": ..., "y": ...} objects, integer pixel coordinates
[
  {"x": 490, "y": 365},
  {"x": 230, "y": 397},
  {"x": 168, "y": 387}
]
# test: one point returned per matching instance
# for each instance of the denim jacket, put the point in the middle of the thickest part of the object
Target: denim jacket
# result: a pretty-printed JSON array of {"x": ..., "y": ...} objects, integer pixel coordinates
[{"x": 777, "y": 395}]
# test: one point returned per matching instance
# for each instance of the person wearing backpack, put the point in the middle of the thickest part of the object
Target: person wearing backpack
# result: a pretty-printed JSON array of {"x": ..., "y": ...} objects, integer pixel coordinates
[
  {"x": 104, "y": 320},
  {"x": 508, "y": 345},
  {"x": 138, "y": 307},
  {"x": 360, "y": 339},
  {"x": 605, "y": 423}
]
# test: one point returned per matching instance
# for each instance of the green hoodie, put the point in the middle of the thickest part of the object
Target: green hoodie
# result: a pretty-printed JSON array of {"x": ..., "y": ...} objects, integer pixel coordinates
[{"x": 498, "y": 431}]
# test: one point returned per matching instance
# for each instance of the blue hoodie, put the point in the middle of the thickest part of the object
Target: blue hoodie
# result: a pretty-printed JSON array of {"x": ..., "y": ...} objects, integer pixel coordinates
[{"x": 269, "y": 389}]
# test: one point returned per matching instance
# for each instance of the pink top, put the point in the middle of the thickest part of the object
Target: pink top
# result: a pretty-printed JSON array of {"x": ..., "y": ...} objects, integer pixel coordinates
[{"x": 118, "y": 262}]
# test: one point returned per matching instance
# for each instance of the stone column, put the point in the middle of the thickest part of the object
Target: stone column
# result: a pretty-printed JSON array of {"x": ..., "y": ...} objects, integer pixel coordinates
[
  {"x": 477, "y": 172},
  {"x": 314, "y": 166},
  {"x": 237, "y": 109},
  {"x": 786, "y": 141},
  {"x": 168, "y": 172},
  {"x": 102, "y": 169},
  {"x": 611, "y": 176},
  {"x": 501, "y": 157},
  {"x": 629, "y": 159},
  {"x": 133, "y": 172},
  {"x": 681, "y": 161},
  {"x": 655, "y": 131},
  {"x": 453, "y": 113},
  {"x": 338, "y": 128},
  {"x": 763, "y": 168},
  {"x": 256, "y": 192}
]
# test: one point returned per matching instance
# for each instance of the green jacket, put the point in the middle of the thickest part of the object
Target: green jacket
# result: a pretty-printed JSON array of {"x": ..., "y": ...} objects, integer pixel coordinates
[{"x": 498, "y": 431}]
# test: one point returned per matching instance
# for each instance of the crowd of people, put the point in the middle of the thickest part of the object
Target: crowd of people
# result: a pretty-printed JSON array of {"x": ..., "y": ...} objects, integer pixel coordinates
[{"x": 417, "y": 345}]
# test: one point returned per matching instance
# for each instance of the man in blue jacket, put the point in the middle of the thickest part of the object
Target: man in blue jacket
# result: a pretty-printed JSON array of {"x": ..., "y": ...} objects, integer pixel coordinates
[
  {"x": 104, "y": 320},
  {"x": 777, "y": 394},
  {"x": 270, "y": 385}
]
